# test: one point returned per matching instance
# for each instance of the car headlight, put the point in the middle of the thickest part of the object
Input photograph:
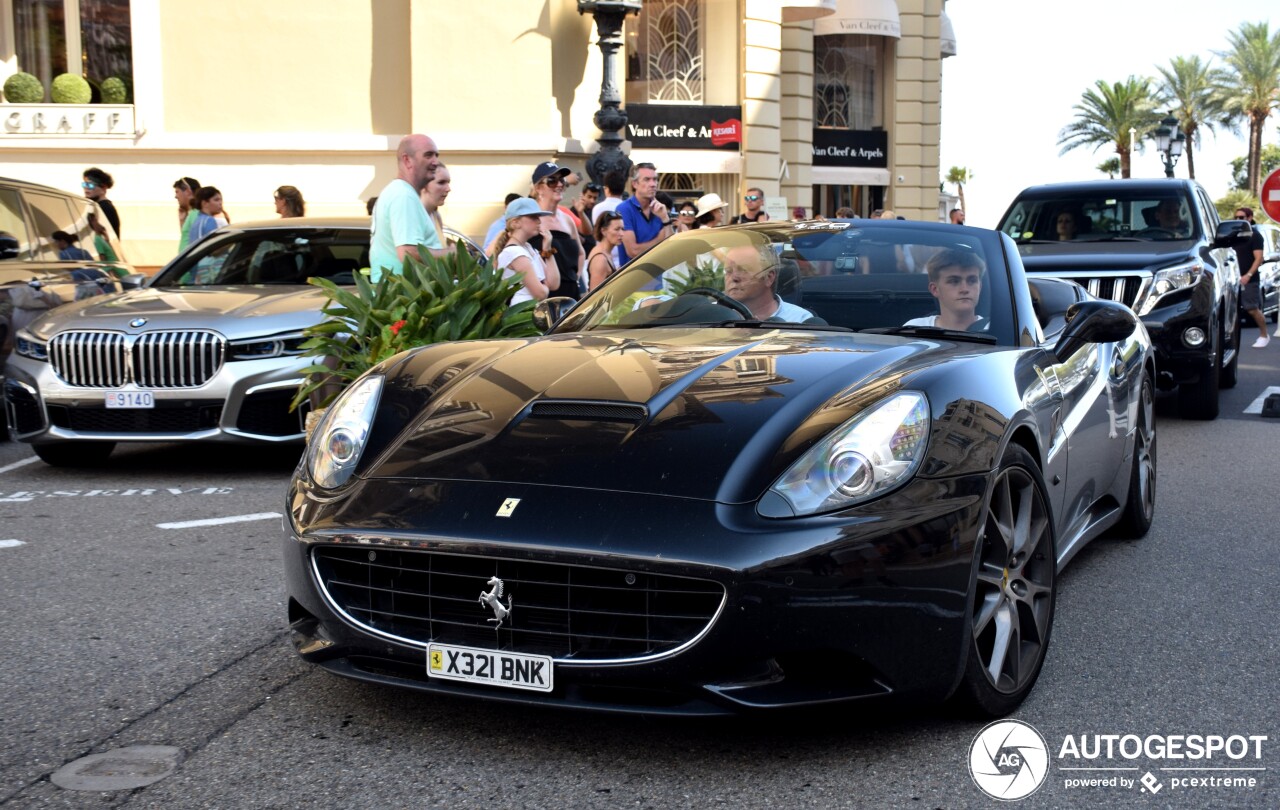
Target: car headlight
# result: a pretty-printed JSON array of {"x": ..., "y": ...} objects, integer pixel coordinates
[
  {"x": 862, "y": 459},
  {"x": 27, "y": 346},
  {"x": 339, "y": 439},
  {"x": 260, "y": 348},
  {"x": 1171, "y": 279}
]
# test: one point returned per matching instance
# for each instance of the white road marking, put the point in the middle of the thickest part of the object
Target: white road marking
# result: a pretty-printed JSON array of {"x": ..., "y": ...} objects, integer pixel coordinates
[
  {"x": 1254, "y": 407},
  {"x": 15, "y": 465},
  {"x": 190, "y": 524},
  {"x": 11, "y": 543}
]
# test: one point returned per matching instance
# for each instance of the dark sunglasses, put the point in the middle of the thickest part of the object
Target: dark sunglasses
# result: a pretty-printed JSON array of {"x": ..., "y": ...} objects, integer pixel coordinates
[
  {"x": 553, "y": 182},
  {"x": 596, "y": 187},
  {"x": 751, "y": 197},
  {"x": 87, "y": 184}
]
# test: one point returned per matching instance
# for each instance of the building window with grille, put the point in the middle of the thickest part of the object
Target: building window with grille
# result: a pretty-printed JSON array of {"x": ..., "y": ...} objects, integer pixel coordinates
[
  {"x": 847, "y": 72},
  {"x": 666, "y": 53},
  {"x": 89, "y": 38}
]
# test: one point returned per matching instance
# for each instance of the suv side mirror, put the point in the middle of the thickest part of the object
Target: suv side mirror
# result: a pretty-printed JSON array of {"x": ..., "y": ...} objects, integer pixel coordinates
[
  {"x": 134, "y": 281},
  {"x": 1093, "y": 322},
  {"x": 548, "y": 312},
  {"x": 1231, "y": 232}
]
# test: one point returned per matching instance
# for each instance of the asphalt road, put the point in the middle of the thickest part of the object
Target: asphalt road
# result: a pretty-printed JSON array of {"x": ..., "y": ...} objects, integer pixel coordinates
[{"x": 119, "y": 632}]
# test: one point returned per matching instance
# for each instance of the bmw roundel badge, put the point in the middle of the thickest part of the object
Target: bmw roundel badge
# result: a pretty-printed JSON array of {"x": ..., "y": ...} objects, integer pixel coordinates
[{"x": 138, "y": 322}]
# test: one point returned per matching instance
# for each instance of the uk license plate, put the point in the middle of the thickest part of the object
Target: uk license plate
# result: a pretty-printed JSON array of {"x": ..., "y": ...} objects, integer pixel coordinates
[
  {"x": 492, "y": 667},
  {"x": 131, "y": 399}
]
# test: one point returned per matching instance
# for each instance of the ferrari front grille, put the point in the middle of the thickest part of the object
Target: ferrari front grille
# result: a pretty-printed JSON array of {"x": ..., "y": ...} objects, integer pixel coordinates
[
  {"x": 569, "y": 612},
  {"x": 179, "y": 359}
]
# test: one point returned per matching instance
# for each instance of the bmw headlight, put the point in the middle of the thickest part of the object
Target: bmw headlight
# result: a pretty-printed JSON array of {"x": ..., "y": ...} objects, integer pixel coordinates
[
  {"x": 1171, "y": 279},
  {"x": 339, "y": 439},
  {"x": 864, "y": 458},
  {"x": 27, "y": 346},
  {"x": 266, "y": 347}
]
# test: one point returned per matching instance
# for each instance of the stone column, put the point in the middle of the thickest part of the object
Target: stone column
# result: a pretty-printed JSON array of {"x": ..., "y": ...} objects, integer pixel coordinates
[
  {"x": 796, "y": 110},
  {"x": 915, "y": 112},
  {"x": 761, "y": 94}
]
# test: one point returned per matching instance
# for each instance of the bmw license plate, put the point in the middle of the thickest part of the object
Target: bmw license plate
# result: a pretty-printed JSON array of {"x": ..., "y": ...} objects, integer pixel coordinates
[
  {"x": 493, "y": 667},
  {"x": 131, "y": 399}
]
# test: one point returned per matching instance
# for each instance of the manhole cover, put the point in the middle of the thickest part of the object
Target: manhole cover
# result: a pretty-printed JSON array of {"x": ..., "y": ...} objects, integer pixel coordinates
[{"x": 119, "y": 769}]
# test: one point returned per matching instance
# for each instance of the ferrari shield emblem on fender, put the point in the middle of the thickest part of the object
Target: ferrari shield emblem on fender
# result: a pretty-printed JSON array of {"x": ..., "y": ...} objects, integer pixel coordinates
[{"x": 508, "y": 506}]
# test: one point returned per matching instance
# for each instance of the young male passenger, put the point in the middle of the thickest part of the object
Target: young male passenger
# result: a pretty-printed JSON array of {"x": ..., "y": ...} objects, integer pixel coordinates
[{"x": 955, "y": 279}]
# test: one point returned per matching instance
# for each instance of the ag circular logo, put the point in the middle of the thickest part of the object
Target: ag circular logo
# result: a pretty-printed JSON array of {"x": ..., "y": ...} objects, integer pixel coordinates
[{"x": 1008, "y": 760}]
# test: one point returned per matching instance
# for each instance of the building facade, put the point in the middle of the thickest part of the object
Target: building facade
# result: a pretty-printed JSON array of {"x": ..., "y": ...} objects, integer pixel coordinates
[{"x": 819, "y": 103}]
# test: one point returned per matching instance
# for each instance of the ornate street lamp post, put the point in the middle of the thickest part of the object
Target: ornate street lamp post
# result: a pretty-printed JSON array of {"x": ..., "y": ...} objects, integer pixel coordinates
[
  {"x": 611, "y": 118},
  {"x": 1169, "y": 142}
]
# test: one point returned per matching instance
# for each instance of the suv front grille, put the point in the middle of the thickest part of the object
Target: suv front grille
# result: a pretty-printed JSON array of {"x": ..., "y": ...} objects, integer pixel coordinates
[
  {"x": 569, "y": 612},
  {"x": 179, "y": 359},
  {"x": 1122, "y": 288}
]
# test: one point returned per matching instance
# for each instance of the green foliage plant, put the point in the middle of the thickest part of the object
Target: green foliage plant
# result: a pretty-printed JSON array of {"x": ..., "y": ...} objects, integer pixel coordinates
[
  {"x": 114, "y": 91},
  {"x": 23, "y": 88},
  {"x": 70, "y": 89},
  {"x": 434, "y": 300},
  {"x": 709, "y": 273}
]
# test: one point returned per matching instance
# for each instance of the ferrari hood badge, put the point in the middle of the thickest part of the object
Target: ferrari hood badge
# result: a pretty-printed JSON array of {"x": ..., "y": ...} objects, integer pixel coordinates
[
  {"x": 493, "y": 598},
  {"x": 508, "y": 506}
]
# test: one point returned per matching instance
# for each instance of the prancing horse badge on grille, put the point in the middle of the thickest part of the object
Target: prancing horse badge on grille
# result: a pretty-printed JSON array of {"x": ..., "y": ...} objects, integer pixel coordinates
[{"x": 493, "y": 598}]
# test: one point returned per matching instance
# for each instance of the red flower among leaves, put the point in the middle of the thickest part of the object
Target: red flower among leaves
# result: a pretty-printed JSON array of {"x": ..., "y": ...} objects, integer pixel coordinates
[{"x": 397, "y": 326}]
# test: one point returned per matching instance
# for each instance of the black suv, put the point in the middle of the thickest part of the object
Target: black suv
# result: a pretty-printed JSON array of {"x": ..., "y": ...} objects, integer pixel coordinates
[{"x": 1157, "y": 247}]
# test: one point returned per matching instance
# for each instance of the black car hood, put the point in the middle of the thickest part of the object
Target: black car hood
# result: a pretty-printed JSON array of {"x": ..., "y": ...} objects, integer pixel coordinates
[
  {"x": 1089, "y": 256},
  {"x": 713, "y": 414}
]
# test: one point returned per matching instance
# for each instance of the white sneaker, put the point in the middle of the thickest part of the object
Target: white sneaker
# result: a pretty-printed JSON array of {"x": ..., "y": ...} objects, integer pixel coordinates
[{"x": 1261, "y": 343}]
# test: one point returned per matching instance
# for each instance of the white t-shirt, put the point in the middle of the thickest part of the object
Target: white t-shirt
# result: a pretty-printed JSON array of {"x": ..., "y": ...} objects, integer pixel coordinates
[{"x": 512, "y": 252}]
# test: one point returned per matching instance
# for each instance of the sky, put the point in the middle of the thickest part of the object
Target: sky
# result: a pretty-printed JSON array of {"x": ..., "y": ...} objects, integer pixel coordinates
[{"x": 1021, "y": 65}]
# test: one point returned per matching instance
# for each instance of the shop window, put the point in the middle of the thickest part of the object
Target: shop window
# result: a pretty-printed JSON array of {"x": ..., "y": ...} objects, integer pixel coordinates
[
  {"x": 50, "y": 214},
  {"x": 847, "y": 72},
  {"x": 13, "y": 227},
  {"x": 92, "y": 38},
  {"x": 666, "y": 53}
]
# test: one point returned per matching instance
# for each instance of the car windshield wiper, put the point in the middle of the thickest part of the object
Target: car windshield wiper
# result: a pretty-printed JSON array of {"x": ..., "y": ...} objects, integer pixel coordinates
[
  {"x": 932, "y": 332},
  {"x": 779, "y": 325},
  {"x": 1037, "y": 241}
]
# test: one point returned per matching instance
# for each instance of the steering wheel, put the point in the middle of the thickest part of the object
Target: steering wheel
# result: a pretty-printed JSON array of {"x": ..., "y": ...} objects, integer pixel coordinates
[
  {"x": 1158, "y": 231},
  {"x": 723, "y": 300}
]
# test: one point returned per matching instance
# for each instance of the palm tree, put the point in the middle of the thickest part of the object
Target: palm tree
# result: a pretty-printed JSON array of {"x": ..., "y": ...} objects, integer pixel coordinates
[
  {"x": 1189, "y": 87},
  {"x": 1105, "y": 115},
  {"x": 959, "y": 176},
  {"x": 1249, "y": 87},
  {"x": 1110, "y": 167}
]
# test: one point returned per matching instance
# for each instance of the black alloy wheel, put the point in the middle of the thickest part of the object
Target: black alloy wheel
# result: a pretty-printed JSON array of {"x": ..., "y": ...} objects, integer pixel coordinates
[
  {"x": 1140, "y": 509},
  {"x": 1012, "y": 592}
]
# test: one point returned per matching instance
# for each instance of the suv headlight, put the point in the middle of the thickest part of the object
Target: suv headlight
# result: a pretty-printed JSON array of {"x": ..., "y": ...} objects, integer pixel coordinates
[
  {"x": 264, "y": 347},
  {"x": 339, "y": 439},
  {"x": 28, "y": 346},
  {"x": 1171, "y": 279},
  {"x": 864, "y": 458}
]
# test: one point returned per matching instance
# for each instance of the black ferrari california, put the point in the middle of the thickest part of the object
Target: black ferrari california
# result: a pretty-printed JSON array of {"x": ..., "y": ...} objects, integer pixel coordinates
[{"x": 764, "y": 466}]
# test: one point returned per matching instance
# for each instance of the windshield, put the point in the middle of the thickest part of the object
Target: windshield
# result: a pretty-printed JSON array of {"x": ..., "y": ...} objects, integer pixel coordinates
[
  {"x": 896, "y": 277},
  {"x": 277, "y": 257},
  {"x": 1100, "y": 215}
]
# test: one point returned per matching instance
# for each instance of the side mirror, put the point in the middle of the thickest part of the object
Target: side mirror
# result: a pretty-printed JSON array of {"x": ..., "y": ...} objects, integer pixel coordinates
[
  {"x": 548, "y": 312},
  {"x": 134, "y": 281},
  {"x": 1274, "y": 257},
  {"x": 1231, "y": 232},
  {"x": 1093, "y": 322}
]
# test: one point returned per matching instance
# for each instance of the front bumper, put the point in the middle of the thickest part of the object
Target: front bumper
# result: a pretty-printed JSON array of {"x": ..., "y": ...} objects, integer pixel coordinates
[
  {"x": 247, "y": 401},
  {"x": 871, "y": 603}
]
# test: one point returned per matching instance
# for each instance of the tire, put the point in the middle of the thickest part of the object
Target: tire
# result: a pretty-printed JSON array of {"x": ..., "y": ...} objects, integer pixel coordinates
[
  {"x": 1012, "y": 591},
  {"x": 74, "y": 454},
  {"x": 1140, "y": 508},
  {"x": 1199, "y": 400}
]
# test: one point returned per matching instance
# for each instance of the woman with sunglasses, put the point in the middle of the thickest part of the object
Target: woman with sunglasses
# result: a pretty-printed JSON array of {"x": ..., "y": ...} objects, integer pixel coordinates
[
  {"x": 686, "y": 216},
  {"x": 289, "y": 202},
  {"x": 559, "y": 239},
  {"x": 96, "y": 183},
  {"x": 608, "y": 236}
]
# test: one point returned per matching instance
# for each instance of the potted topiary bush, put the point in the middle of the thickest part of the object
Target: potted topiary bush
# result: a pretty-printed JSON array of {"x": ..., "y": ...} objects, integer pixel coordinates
[
  {"x": 433, "y": 301},
  {"x": 70, "y": 89},
  {"x": 114, "y": 91},
  {"x": 23, "y": 88}
]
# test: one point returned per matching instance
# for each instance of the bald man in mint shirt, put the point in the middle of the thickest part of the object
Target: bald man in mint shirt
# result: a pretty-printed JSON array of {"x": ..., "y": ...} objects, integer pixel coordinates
[{"x": 400, "y": 222}]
